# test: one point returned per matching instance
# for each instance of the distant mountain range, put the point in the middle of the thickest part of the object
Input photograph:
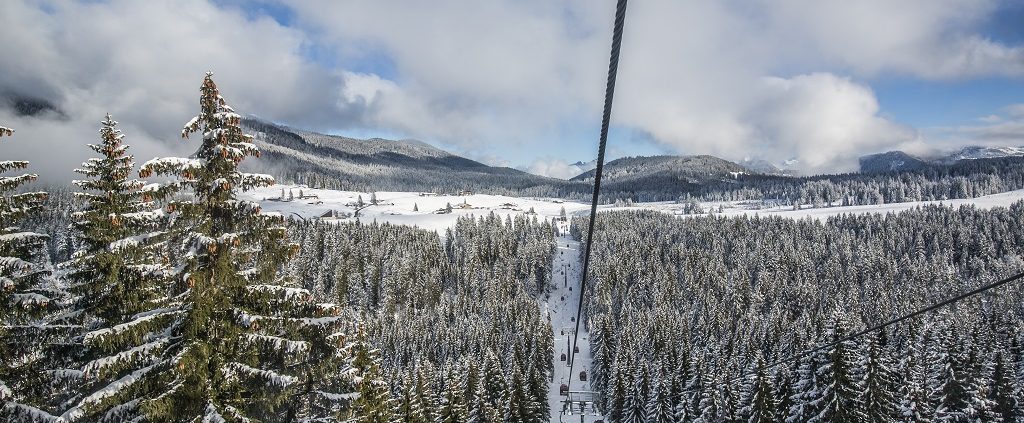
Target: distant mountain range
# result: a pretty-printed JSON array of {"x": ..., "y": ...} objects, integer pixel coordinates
[
  {"x": 894, "y": 161},
  {"x": 337, "y": 162}
]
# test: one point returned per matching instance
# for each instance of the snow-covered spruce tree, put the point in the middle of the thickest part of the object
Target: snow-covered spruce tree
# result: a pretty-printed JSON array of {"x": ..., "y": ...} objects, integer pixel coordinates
[
  {"x": 759, "y": 400},
  {"x": 409, "y": 408},
  {"x": 241, "y": 346},
  {"x": 453, "y": 406},
  {"x": 659, "y": 405},
  {"x": 635, "y": 403},
  {"x": 949, "y": 391},
  {"x": 913, "y": 406},
  {"x": 878, "y": 383},
  {"x": 479, "y": 410},
  {"x": 29, "y": 303},
  {"x": 839, "y": 400},
  {"x": 1001, "y": 392},
  {"x": 374, "y": 403},
  {"x": 806, "y": 388},
  {"x": 120, "y": 293}
]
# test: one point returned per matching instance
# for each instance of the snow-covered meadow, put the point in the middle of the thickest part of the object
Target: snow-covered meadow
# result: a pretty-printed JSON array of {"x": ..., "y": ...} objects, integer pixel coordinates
[{"x": 428, "y": 210}]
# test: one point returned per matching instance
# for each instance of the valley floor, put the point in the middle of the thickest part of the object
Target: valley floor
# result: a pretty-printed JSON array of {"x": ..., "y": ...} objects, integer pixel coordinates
[{"x": 429, "y": 211}]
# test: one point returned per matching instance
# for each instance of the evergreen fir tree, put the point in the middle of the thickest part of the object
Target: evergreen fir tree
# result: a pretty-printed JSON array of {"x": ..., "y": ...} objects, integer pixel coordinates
[
  {"x": 1001, "y": 392},
  {"x": 374, "y": 403},
  {"x": 325, "y": 380},
  {"x": 635, "y": 410},
  {"x": 659, "y": 406},
  {"x": 838, "y": 400},
  {"x": 237, "y": 351},
  {"x": 949, "y": 391},
  {"x": 782, "y": 384},
  {"x": 118, "y": 280},
  {"x": 453, "y": 405},
  {"x": 426, "y": 400},
  {"x": 879, "y": 385},
  {"x": 410, "y": 409},
  {"x": 538, "y": 393},
  {"x": 480, "y": 410},
  {"x": 759, "y": 403},
  {"x": 29, "y": 305},
  {"x": 914, "y": 406},
  {"x": 712, "y": 404},
  {"x": 806, "y": 388},
  {"x": 619, "y": 393}
]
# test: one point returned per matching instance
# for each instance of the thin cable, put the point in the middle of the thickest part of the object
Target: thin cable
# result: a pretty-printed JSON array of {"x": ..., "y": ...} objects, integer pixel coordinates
[
  {"x": 919, "y": 312},
  {"x": 609, "y": 92}
]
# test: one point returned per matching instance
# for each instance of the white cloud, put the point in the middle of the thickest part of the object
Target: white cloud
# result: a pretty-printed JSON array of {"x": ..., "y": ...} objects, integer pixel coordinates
[
  {"x": 1006, "y": 129},
  {"x": 554, "y": 168},
  {"x": 1015, "y": 110},
  {"x": 781, "y": 79},
  {"x": 143, "y": 63},
  {"x": 697, "y": 76}
]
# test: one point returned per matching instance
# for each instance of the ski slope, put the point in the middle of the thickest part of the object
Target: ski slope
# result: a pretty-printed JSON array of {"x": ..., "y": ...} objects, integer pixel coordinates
[{"x": 560, "y": 307}]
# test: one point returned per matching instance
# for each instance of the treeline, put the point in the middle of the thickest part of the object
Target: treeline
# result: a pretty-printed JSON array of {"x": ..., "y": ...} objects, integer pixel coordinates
[
  {"x": 460, "y": 335},
  {"x": 685, "y": 313},
  {"x": 168, "y": 299},
  {"x": 964, "y": 179}
]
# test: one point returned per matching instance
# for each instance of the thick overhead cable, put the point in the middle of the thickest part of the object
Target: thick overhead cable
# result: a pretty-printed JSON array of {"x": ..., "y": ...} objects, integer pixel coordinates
[{"x": 609, "y": 92}]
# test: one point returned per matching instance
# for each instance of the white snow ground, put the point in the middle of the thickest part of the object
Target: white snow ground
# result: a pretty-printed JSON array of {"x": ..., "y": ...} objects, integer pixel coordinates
[
  {"x": 397, "y": 207},
  {"x": 560, "y": 307}
]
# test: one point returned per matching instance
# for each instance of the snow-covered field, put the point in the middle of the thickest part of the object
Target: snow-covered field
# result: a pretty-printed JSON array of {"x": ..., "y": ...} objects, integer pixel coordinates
[{"x": 398, "y": 207}]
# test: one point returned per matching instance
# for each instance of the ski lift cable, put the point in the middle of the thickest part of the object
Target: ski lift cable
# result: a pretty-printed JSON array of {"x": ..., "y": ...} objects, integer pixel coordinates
[
  {"x": 894, "y": 321},
  {"x": 609, "y": 92}
]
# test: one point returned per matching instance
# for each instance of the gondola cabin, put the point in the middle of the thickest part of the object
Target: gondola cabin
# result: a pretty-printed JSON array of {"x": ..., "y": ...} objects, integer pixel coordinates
[
  {"x": 583, "y": 376},
  {"x": 563, "y": 390},
  {"x": 563, "y": 356},
  {"x": 575, "y": 349}
]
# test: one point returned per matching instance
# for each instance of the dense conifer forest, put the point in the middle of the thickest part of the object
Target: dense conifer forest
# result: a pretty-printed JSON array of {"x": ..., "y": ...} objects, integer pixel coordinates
[
  {"x": 685, "y": 312},
  {"x": 457, "y": 325}
]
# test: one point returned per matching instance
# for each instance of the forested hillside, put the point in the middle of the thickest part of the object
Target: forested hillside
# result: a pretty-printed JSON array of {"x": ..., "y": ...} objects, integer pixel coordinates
[
  {"x": 683, "y": 312},
  {"x": 456, "y": 323},
  {"x": 341, "y": 163}
]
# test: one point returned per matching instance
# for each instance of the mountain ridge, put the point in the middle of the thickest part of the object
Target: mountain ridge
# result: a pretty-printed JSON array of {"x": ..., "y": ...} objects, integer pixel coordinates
[{"x": 897, "y": 160}]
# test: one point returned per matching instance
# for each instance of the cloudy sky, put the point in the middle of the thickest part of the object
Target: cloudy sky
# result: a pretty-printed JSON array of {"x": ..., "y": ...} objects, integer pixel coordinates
[{"x": 520, "y": 83}]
